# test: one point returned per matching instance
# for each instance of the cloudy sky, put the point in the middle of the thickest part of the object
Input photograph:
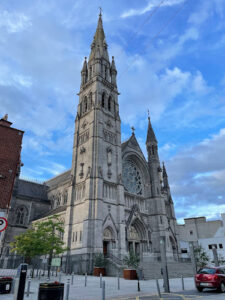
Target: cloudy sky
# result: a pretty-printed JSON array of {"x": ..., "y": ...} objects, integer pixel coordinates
[{"x": 170, "y": 60}]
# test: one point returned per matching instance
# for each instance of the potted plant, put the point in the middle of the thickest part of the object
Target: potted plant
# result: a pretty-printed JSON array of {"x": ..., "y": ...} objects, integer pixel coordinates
[
  {"x": 99, "y": 264},
  {"x": 131, "y": 262}
]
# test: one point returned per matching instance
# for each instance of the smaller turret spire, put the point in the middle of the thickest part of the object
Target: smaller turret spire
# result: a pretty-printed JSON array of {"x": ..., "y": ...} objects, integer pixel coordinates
[
  {"x": 165, "y": 177},
  {"x": 150, "y": 135}
]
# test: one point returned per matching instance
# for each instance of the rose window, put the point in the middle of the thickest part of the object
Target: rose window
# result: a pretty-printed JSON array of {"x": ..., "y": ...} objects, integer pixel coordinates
[{"x": 132, "y": 178}]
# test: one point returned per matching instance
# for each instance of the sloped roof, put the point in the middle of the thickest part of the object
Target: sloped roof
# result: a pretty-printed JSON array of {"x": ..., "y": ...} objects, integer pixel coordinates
[{"x": 32, "y": 189}]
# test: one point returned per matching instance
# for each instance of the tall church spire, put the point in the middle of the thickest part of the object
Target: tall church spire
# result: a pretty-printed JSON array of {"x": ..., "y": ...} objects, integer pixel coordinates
[{"x": 99, "y": 42}]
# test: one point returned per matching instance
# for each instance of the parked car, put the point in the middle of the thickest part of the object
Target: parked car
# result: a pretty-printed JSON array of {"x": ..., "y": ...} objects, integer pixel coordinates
[{"x": 210, "y": 277}]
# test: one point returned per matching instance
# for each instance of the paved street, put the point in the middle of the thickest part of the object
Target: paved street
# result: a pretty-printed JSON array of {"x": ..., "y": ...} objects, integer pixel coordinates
[{"x": 127, "y": 291}]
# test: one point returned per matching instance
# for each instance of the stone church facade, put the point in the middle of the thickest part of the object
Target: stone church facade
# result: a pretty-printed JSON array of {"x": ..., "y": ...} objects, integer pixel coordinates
[{"x": 112, "y": 200}]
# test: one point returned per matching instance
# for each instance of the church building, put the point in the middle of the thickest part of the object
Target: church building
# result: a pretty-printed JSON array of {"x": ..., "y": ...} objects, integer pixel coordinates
[{"x": 113, "y": 200}]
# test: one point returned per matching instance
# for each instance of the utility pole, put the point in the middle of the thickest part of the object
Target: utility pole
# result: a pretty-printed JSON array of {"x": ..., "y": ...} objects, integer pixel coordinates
[{"x": 164, "y": 264}]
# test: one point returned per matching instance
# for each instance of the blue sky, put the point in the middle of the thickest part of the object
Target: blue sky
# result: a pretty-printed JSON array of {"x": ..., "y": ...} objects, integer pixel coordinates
[{"x": 170, "y": 62}]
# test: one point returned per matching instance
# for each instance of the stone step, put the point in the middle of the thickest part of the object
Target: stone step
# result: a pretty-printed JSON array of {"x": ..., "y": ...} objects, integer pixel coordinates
[{"x": 152, "y": 269}]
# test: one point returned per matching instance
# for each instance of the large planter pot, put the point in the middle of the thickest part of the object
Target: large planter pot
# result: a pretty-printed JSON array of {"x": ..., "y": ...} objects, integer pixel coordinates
[
  {"x": 129, "y": 274},
  {"x": 98, "y": 270}
]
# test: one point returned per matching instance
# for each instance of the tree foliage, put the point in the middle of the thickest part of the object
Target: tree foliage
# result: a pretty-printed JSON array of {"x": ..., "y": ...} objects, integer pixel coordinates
[
  {"x": 43, "y": 238},
  {"x": 201, "y": 257}
]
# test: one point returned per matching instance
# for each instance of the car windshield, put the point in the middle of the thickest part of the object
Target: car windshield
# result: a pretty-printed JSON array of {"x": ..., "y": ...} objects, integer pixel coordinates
[{"x": 207, "y": 271}]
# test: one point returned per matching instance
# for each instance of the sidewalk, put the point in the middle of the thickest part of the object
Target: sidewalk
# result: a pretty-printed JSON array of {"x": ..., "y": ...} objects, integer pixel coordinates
[{"x": 93, "y": 291}]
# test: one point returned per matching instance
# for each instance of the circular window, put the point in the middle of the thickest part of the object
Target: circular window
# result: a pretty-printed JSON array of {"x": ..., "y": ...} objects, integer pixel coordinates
[{"x": 132, "y": 178}]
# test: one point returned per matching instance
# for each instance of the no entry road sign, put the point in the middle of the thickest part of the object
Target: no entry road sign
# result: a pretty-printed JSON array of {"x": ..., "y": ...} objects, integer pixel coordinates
[{"x": 3, "y": 224}]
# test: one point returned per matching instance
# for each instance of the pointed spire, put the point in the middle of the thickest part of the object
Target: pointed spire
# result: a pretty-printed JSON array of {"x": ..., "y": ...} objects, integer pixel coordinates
[
  {"x": 150, "y": 135},
  {"x": 165, "y": 177},
  {"x": 113, "y": 65},
  {"x": 84, "y": 69},
  {"x": 99, "y": 41},
  {"x": 164, "y": 171}
]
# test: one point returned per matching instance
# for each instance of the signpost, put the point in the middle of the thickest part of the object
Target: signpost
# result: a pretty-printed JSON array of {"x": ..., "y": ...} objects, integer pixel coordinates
[
  {"x": 3, "y": 224},
  {"x": 56, "y": 262}
]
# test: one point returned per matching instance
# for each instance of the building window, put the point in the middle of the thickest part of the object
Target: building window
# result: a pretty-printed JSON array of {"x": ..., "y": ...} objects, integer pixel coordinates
[
  {"x": 21, "y": 214},
  {"x": 161, "y": 219},
  {"x": 213, "y": 246},
  {"x": 85, "y": 104},
  {"x": 221, "y": 246},
  {"x": 191, "y": 232},
  {"x": 76, "y": 236},
  {"x": 103, "y": 100},
  {"x": 80, "y": 236},
  {"x": 65, "y": 197},
  {"x": 73, "y": 238},
  {"x": 184, "y": 251}
]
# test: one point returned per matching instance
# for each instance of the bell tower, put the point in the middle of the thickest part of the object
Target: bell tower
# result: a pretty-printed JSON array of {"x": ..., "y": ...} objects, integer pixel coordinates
[{"x": 96, "y": 192}]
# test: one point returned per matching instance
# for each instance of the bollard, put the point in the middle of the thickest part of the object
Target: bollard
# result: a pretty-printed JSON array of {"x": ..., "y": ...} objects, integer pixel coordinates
[
  {"x": 39, "y": 275},
  {"x": 138, "y": 286},
  {"x": 100, "y": 280},
  {"x": 182, "y": 281},
  {"x": 28, "y": 287},
  {"x": 60, "y": 276},
  {"x": 72, "y": 278},
  {"x": 158, "y": 289},
  {"x": 118, "y": 281},
  {"x": 103, "y": 290},
  {"x": 85, "y": 280},
  {"x": 13, "y": 285},
  {"x": 67, "y": 289}
]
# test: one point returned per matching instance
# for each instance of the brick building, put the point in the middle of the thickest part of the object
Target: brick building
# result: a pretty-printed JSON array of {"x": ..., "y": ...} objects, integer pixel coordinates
[{"x": 10, "y": 148}]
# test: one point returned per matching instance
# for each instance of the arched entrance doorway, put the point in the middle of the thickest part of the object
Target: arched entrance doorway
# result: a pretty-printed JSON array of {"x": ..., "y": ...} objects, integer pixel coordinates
[
  {"x": 137, "y": 238},
  {"x": 108, "y": 241}
]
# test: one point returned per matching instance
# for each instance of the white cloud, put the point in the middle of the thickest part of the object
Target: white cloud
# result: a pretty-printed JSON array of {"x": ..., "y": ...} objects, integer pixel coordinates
[
  {"x": 14, "y": 22},
  {"x": 151, "y": 4}
]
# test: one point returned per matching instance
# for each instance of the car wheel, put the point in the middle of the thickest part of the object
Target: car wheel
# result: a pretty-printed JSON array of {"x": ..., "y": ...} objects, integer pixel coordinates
[
  {"x": 200, "y": 289},
  {"x": 222, "y": 287}
]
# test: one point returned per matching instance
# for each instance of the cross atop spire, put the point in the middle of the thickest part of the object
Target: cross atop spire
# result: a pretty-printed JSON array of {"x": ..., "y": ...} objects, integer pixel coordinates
[{"x": 100, "y": 11}]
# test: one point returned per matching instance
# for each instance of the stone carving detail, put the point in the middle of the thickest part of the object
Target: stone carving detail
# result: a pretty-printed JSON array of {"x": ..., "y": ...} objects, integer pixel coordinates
[
  {"x": 71, "y": 179},
  {"x": 100, "y": 172},
  {"x": 109, "y": 136},
  {"x": 83, "y": 137},
  {"x": 82, "y": 150},
  {"x": 88, "y": 172},
  {"x": 109, "y": 124},
  {"x": 120, "y": 181},
  {"x": 84, "y": 124}
]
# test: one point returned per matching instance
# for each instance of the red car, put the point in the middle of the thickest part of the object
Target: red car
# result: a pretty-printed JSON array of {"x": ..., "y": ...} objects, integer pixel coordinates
[{"x": 211, "y": 277}]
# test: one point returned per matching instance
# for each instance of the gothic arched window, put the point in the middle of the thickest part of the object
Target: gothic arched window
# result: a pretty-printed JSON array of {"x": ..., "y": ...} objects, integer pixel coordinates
[
  {"x": 85, "y": 104},
  {"x": 109, "y": 103},
  {"x": 21, "y": 215},
  {"x": 65, "y": 197},
  {"x": 103, "y": 99},
  {"x": 90, "y": 100}
]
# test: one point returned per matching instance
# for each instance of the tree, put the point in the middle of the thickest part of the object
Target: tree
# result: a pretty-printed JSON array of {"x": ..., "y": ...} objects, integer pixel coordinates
[
  {"x": 50, "y": 232},
  {"x": 44, "y": 238},
  {"x": 28, "y": 245},
  {"x": 201, "y": 257}
]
